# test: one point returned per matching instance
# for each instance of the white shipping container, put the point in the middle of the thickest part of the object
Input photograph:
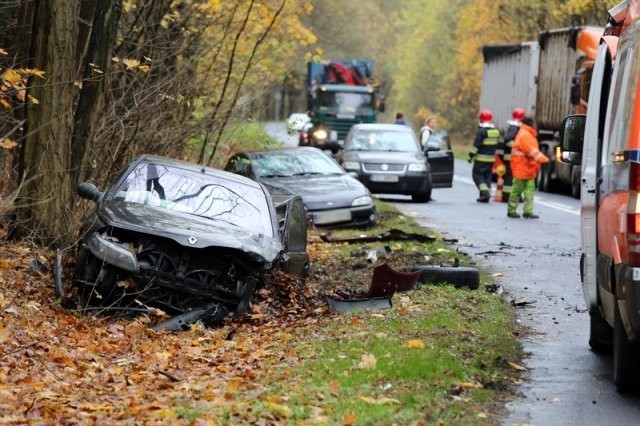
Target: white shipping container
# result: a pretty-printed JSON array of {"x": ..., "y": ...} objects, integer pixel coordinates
[{"x": 509, "y": 79}]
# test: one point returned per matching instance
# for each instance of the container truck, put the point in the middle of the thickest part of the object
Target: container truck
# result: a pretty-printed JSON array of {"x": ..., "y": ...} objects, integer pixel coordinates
[
  {"x": 340, "y": 93},
  {"x": 549, "y": 79},
  {"x": 564, "y": 76},
  {"x": 509, "y": 79}
]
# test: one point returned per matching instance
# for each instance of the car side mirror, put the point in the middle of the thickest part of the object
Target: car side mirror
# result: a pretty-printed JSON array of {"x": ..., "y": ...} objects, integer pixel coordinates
[
  {"x": 89, "y": 191},
  {"x": 572, "y": 137}
]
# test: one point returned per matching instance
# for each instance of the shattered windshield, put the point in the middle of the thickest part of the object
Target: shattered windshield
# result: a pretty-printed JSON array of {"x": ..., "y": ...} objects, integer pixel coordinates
[
  {"x": 230, "y": 203},
  {"x": 294, "y": 163}
]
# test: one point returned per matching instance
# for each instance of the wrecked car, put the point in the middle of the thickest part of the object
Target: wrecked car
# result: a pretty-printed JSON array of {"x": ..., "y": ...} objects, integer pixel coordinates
[{"x": 190, "y": 240}]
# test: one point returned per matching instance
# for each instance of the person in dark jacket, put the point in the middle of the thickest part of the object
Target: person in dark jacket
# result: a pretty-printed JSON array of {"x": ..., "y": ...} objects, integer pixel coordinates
[
  {"x": 482, "y": 154},
  {"x": 504, "y": 150},
  {"x": 400, "y": 119}
]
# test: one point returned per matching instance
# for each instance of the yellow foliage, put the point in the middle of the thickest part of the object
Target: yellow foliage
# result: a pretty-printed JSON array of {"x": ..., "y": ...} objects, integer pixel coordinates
[{"x": 415, "y": 343}]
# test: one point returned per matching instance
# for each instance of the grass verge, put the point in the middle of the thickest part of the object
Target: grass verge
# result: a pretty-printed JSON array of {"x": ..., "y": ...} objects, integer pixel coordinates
[{"x": 439, "y": 355}]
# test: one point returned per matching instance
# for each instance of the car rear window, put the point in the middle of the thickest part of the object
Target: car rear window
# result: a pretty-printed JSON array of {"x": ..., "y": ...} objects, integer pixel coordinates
[
  {"x": 229, "y": 202},
  {"x": 377, "y": 140}
]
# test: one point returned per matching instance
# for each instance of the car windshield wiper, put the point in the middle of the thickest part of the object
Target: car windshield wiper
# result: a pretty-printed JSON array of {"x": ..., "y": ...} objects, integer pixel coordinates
[
  {"x": 308, "y": 174},
  {"x": 273, "y": 175}
]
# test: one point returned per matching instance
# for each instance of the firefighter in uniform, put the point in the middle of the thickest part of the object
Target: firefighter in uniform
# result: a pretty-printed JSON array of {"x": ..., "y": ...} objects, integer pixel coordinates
[
  {"x": 504, "y": 149},
  {"x": 482, "y": 154}
]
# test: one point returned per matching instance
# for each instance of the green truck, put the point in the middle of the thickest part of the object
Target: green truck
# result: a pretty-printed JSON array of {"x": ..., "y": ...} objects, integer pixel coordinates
[{"x": 339, "y": 95}]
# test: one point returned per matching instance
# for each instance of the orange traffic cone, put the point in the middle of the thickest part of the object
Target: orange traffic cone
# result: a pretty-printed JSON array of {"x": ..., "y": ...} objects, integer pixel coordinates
[{"x": 500, "y": 171}]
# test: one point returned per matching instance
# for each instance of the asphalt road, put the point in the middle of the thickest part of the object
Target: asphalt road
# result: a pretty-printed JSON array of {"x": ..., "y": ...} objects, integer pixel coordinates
[{"x": 566, "y": 383}]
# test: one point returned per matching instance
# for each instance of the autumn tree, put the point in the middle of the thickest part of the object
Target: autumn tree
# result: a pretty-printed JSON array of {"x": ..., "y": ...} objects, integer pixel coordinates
[{"x": 122, "y": 78}]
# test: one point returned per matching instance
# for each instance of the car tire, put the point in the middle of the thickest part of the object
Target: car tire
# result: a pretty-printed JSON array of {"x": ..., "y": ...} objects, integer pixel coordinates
[
  {"x": 424, "y": 197},
  {"x": 96, "y": 282},
  {"x": 600, "y": 333},
  {"x": 625, "y": 355},
  {"x": 458, "y": 276}
]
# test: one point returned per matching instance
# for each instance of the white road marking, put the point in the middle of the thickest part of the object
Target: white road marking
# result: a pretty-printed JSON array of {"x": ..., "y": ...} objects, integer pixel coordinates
[{"x": 538, "y": 200}]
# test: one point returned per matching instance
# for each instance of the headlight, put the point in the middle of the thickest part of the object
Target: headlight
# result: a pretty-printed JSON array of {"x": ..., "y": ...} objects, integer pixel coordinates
[
  {"x": 351, "y": 165},
  {"x": 418, "y": 167},
  {"x": 362, "y": 201},
  {"x": 320, "y": 134}
]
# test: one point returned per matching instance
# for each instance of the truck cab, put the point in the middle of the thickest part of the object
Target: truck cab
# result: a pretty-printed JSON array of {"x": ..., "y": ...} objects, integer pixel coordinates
[
  {"x": 337, "y": 107},
  {"x": 340, "y": 93},
  {"x": 609, "y": 138}
]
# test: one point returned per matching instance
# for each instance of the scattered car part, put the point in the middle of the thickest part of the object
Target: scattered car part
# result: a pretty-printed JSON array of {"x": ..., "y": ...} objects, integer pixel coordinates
[
  {"x": 351, "y": 305},
  {"x": 210, "y": 314},
  {"x": 385, "y": 281},
  {"x": 390, "y": 235},
  {"x": 458, "y": 276}
]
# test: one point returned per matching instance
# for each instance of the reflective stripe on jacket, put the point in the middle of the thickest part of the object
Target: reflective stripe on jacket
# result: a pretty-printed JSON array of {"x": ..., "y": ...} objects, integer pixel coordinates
[
  {"x": 485, "y": 144},
  {"x": 525, "y": 155}
]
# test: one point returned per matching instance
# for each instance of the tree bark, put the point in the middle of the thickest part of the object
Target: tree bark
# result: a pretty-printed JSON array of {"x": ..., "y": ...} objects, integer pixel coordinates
[
  {"x": 44, "y": 205},
  {"x": 95, "y": 81}
]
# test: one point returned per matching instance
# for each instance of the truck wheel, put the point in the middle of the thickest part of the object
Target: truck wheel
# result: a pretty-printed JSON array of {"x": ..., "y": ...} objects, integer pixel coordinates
[
  {"x": 575, "y": 184},
  {"x": 458, "y": 276},
  {"x": 625, "y": 355},
  {"x": 600, "y": 333},
  {"x": 543, "y": 178}
]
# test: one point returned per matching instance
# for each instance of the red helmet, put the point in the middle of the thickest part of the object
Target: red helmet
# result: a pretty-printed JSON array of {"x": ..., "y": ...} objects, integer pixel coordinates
[
  {"x": 518, "y": 114},
  {"x": 485, "y": 116}
]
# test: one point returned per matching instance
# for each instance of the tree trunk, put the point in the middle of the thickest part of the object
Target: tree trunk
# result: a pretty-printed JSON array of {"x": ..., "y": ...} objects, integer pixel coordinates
[
  {"x": 45, "y": 200},
  {"x": 95, "y": 81}
]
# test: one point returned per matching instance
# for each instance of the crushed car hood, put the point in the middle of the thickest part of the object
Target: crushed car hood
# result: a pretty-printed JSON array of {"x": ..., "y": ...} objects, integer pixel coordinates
[
  {"x": 314, "y": 189},
  {"x": 192, "y": 232}
]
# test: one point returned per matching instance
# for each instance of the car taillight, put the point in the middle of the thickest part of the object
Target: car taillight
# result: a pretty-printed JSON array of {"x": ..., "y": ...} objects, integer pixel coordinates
[{"x": 633, "y": 217}]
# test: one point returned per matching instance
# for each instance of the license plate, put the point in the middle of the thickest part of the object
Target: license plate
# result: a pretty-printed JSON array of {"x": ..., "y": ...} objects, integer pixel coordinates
[
  {"x": 384, "y": 178},
  {"x": 331, "y": 216}
]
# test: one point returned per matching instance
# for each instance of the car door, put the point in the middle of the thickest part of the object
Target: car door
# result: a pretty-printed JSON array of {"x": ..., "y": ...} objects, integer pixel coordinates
[
  {"x": 293, "y": 229},
  {"x": 440, "y": 157}
]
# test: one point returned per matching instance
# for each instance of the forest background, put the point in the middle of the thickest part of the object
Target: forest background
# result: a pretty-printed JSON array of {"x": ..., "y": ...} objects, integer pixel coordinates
[{"x": 87, "y": 85}]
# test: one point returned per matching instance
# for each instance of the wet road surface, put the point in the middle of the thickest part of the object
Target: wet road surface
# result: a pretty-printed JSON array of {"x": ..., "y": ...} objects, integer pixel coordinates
[{"x": 566, "y": 383}]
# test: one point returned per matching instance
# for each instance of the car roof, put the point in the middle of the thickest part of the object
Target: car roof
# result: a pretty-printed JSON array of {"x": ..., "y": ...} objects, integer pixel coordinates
[
  {"x": 194, "y": 167},
  {"x": 383, "y": 127}
]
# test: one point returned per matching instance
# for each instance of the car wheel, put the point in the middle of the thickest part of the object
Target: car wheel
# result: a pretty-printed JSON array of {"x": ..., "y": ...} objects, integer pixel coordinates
[
  {"x": 95, "y": 281},
  {"x": 458, "y": 276},
  {"x": 625, "y": 356},
  {"x": 424, "y": 197},
  {"x": 600, "y": 333}
]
